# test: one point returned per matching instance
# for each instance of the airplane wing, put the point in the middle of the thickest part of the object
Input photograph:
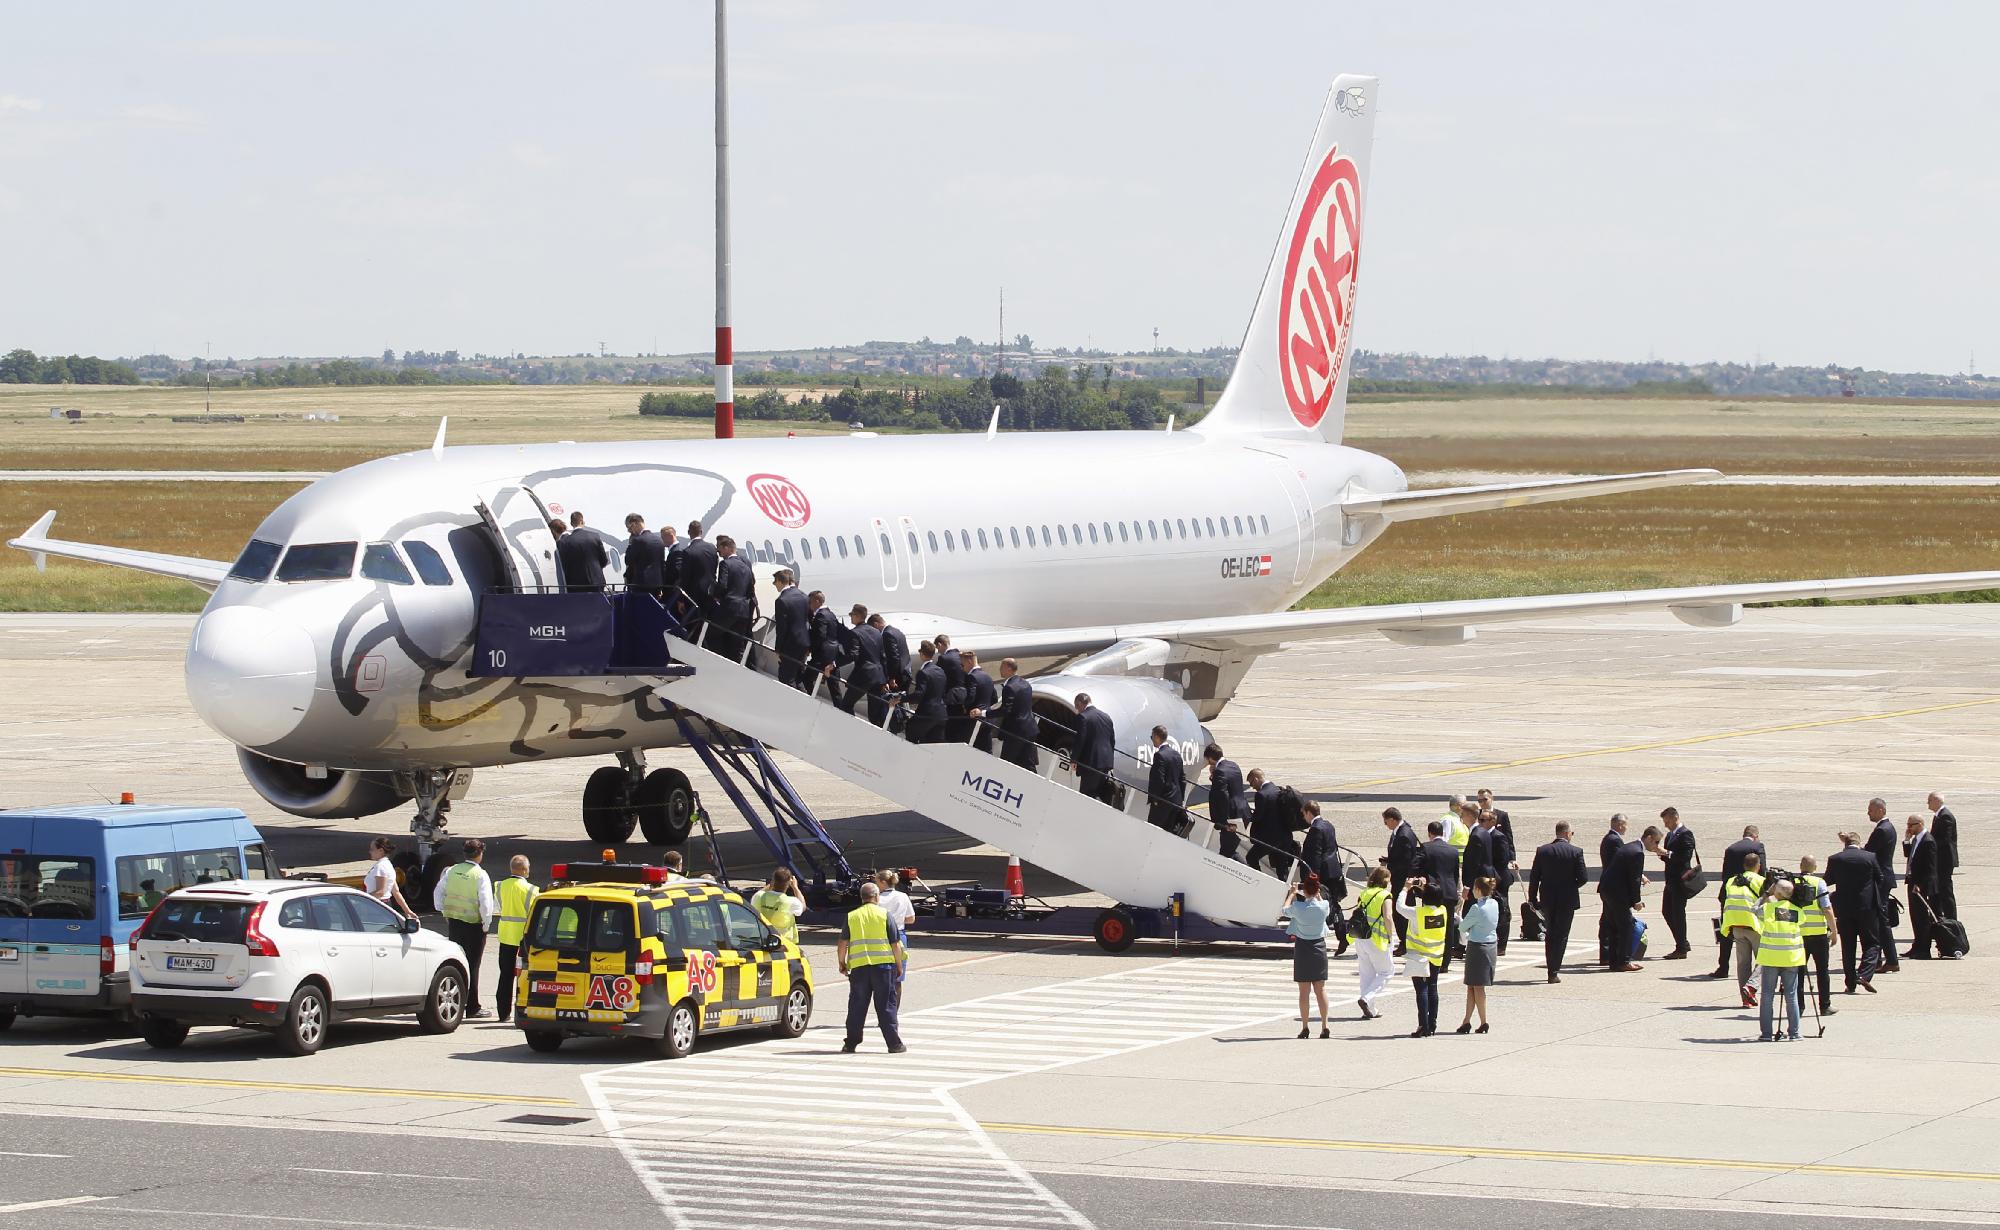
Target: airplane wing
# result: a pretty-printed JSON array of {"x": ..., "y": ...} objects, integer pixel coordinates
[
  {"x": 1445, "y": 623},
  {"x": 1450, "y": 501},
  {"x": 206, "y": 573}
]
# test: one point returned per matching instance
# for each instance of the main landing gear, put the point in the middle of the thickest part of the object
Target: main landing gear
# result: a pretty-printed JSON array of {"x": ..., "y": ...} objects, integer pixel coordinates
[{"x": 619, "y": 798}]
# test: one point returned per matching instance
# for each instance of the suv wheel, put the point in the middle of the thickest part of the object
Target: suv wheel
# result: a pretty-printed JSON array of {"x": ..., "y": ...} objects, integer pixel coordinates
[
  {"x": 163, "y": 1034},
  {"x": 544, "y": 1040},
  {"x": 683, "y": 1026},
  {"x": 444, "y": 1008},
  {"x": 797, "y": 1013},
  {"x": 304, "y": 1028}
]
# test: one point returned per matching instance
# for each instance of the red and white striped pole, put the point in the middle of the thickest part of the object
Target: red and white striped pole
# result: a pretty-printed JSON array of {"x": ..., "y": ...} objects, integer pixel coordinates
[{"x": 725, "y": 347}]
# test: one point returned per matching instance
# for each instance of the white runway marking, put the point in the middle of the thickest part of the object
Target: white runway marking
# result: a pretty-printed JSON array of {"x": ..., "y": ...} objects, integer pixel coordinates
[
  {"x": 1783, "y": 672},
  {"x": 830, "y": 1129}
]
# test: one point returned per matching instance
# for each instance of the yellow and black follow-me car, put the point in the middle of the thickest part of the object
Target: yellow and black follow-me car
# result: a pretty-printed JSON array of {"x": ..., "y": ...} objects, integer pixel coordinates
[{"x": 617, "y": 950}]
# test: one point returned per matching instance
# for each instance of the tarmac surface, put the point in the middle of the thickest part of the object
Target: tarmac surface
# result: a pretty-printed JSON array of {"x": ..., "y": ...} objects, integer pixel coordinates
[{"x": 1050, "y": 1084}]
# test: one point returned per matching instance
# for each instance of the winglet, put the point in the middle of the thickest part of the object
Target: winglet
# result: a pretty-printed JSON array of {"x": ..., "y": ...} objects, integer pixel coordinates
[
  {"x": 437, "y": 445},
  {"x": 38, "y": 532},
  {"x": 993, "y": 426}
]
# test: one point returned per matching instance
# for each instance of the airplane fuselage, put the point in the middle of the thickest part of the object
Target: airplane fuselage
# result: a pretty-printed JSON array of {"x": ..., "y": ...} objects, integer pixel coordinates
[{"x": 951, "y": 532}]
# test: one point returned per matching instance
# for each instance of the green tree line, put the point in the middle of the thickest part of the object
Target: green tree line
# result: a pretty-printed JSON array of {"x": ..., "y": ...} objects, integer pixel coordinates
[
  {"x": 1060, "y": 399},
  {"x": 26, "y": 367},
  {"x": 339, "y": 372}
]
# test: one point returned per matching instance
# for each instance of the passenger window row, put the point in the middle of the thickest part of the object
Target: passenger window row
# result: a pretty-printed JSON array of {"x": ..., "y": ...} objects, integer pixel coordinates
[{"x": 1094, "y": 533}]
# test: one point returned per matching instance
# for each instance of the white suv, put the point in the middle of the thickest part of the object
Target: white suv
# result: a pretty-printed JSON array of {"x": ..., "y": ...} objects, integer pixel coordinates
[{"x": 291, "y": 956}]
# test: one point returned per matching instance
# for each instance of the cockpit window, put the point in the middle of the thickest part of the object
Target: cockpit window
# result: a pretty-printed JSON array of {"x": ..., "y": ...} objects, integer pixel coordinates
[
  {"x": 318, "y": 561},
  {"x": 381, "y": 563},
  {"x": 428, "y": 563},
  {"x": 256, "y": 561}
]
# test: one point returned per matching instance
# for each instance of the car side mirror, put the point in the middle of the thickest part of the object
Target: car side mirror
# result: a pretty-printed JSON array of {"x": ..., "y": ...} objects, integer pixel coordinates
[
  {"x": 774, "y": 943},
  {"x": 410, "y": 926}
]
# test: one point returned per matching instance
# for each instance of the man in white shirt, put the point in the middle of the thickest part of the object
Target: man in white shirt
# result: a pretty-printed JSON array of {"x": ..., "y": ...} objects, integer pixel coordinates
[
  {"x": 465, "y": 897},
  {"x": 897, "y": 905}
]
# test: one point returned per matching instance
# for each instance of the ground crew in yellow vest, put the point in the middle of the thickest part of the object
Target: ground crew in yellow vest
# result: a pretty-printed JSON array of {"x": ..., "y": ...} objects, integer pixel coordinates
[
  {"x": 779, "y": 903},
  {"x": 1739, "y": 922},
  {"x": 1816, "y": 925},
  {"x": 516, "y": 896},
  {"x": 465, "y": 898},
  {"x": 1781, "y": 951},
  {"x": 871, "y": 955}
]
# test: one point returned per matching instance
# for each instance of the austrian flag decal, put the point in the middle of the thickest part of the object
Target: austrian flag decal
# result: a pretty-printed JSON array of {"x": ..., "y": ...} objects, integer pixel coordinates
[
  {"x": 1316, "y": 306},
  {"x": 1263, "y": 565}
]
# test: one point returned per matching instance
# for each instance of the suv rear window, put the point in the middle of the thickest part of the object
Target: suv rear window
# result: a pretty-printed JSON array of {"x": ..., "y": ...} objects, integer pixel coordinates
[
  {"x": 582, "y": 926},
  {"x": 48, "y": 886},
  {"x": 205, "y": 922}
]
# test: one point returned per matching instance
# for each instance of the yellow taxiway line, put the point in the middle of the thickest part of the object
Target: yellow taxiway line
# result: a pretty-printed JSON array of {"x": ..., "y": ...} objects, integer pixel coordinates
[
  {"x": 1488, "y": 1151},
  {"x": 1687, "y": 741},
  {"x": 214, "y": 1082}
]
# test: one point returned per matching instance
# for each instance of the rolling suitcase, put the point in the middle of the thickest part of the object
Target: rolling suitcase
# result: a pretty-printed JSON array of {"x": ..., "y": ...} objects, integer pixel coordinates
[{"x": 1947, "y": 934}]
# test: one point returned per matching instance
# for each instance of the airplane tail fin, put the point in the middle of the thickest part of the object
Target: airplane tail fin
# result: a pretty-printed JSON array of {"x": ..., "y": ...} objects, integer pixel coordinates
[{"x": 1291, "y": 376}]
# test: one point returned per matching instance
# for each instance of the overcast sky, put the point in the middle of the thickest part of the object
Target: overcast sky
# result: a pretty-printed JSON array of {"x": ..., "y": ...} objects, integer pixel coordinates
[{"x": 1805, "y": 182}]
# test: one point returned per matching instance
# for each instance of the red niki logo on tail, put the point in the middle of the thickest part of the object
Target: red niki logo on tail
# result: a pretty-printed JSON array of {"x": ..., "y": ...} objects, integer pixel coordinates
[
  {"x": 781, "y": 499},
  {"x": 1316, "y": 307}
]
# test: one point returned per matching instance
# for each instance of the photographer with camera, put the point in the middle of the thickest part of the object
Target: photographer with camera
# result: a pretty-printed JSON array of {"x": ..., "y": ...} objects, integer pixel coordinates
[
  {"x": 1816, "y": 925},
  {"x": 1423, "y": 906},
  {"x": 1781, "y": 952},
  {"x": 1738, "y": 925}
]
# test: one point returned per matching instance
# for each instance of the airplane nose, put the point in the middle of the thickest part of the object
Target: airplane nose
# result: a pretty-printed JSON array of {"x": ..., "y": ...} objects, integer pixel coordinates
[{"x": 250, "y": 674}]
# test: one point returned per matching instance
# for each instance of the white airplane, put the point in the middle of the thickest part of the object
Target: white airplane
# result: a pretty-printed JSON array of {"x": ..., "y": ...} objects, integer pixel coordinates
[{"x": 1150, "y": 568}]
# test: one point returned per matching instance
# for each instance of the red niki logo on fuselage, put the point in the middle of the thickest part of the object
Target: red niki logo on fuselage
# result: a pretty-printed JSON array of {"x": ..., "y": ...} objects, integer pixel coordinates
[
  {"x": 781, "y": 499},
  {"x": 1316, "y": 306}
]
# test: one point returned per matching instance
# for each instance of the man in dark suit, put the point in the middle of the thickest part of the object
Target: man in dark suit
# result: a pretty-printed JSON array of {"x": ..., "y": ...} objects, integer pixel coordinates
[
  {"x": 1624, "y": 888},
  {"x": 862, "y": 642},
  {"x": 1882, "y": 842},
  {"x": 1272, "y": 823},
  {"x": 644, "y": 555},
  {"x": 699, "y": 564},
  {"x": 581, "y": 557},
  {"x": 1555, "y": 880},
  {"x": 791, "y": 617},
  {"x": 1228, "y": 808},
  {"x": 1404, "y": 859},
  {"x": 1441, "y": 868},
  {"x": 1166, "y": 785},
  {"x": 735, "y": 596},
  {"x": 1732, "y": 866},
  {"x": 1096, "y": 748},
  {"x": 1920, "y": 877},
  {"x": 827, "y": 645},
  {"x": 925, "y": 699},
  {"x": 895, "y": 653},
  {"x": 1491, "y": 852},
  {"x": 1319, "y": 852},
  {"x": 670, "y": 566},
  {"x": 1855, "y": 877},
  {"x": 953, "y": 665},
  {"x": 1944, "y": 831},
  {"x": 1015, "y": 717},
  {"x": 1608, "y": 847},
  {"x": 1677, "y": 851},
  {"x": 980, "y": 693}
]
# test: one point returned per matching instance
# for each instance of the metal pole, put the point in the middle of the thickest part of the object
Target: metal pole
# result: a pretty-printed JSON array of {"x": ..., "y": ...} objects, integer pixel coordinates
[{"x": 725, "y": 348}]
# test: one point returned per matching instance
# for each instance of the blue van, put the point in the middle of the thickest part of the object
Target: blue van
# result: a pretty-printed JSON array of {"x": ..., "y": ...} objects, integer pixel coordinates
[{"x": 76, "y": 882}]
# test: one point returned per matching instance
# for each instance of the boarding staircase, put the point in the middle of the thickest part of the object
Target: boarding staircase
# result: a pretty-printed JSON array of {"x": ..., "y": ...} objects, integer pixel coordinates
[{"x": 731, "y": 712}]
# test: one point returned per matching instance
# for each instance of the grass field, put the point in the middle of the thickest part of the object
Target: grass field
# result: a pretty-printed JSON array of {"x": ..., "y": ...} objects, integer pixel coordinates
[{"x": 1684, "y": 536}]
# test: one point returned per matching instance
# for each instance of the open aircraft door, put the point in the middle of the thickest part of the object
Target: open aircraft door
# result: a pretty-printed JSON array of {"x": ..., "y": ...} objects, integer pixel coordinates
[{"x": 520, "y": 521}]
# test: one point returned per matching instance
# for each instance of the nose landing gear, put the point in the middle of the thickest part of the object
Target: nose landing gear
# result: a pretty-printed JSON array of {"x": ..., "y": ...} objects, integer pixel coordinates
[{"x": 622, "y": 797}]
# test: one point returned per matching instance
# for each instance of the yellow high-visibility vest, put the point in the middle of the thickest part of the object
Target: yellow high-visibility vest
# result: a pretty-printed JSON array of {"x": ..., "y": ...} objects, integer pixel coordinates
[
  {"x": 1739, "y": 901},
  {"x": 517, "y": 898},
  {"x": 775, "y": 908},
  {"x": 1779, "y": 944},
  {"x": 868, "y": 937},
  {"x": 461, "y": 893},
  {"x": 1426, "y": 935},
  {"x": 1375, "y": 908},
  {"x": 1812, "y": 918}
]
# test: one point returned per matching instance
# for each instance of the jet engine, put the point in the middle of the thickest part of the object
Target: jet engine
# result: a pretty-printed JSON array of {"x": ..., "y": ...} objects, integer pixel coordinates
[
  {"x": 1136, "y": 705},
  {"x": 343, "y": 794}
]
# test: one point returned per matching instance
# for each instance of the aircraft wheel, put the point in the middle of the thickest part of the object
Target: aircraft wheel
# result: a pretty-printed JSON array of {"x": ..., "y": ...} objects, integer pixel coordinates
[
  {"x": 1115, "y": 929},
  {"x": 607, "y": 806},
  {"x": 665, "y": 804}
]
